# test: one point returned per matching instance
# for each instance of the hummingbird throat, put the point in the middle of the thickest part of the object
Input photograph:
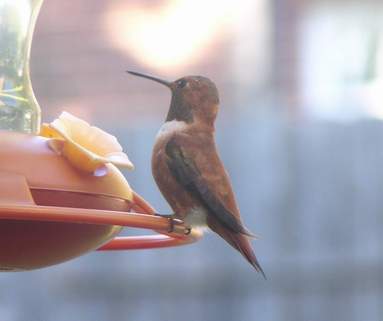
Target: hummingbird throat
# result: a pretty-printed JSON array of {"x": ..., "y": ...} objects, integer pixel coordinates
[{"x": 179, "y": 111}]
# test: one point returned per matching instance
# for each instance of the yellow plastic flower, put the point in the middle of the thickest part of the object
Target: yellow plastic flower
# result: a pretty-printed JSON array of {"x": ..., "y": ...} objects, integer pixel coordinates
[{"x": 86, "y": 147}]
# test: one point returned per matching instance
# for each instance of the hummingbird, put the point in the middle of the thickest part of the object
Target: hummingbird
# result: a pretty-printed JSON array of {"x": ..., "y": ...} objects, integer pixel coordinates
[{"x": 187, "y": 168}]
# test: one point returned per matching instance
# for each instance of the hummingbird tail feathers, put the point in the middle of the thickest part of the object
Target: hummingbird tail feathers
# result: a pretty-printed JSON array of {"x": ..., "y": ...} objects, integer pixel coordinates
[{"x": 242, "y": 244}]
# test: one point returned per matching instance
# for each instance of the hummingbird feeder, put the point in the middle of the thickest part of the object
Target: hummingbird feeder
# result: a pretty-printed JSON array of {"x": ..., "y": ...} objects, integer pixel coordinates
[{"x": 52, "y": 208}]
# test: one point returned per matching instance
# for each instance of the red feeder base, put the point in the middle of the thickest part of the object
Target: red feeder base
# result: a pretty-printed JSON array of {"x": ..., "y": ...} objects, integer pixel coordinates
[{"x": 50, "y": 212}]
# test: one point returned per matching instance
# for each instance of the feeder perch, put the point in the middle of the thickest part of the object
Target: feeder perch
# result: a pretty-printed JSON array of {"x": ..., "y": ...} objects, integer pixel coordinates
[{"x": 50, "y": 211}]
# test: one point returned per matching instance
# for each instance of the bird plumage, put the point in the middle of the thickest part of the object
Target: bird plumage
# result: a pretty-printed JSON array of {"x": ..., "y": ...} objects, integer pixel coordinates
[
  {"x": 200, "y": 181},
  {"x": 188, "y": 169}
]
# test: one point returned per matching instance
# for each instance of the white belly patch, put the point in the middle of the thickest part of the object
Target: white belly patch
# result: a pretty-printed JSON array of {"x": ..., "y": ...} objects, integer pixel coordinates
[
  {"x": 171, "y": 127},
  {"x": 196, "y": 217}
]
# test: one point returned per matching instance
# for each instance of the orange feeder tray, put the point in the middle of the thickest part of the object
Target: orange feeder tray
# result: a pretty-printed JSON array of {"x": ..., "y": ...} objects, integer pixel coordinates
[{"x": 51, "y": 212}]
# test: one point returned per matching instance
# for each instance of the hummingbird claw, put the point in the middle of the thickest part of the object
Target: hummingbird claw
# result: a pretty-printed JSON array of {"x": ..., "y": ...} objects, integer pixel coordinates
[
  {"x": 187, "y": 230},
  {"x": 171, "y": 225},
  {"x": 173, "y": 221}
]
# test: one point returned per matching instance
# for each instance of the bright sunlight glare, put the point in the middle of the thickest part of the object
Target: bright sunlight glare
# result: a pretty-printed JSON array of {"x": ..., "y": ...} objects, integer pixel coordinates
[
  {"x": 171, "y": 35},
  {"x": 18, "y": 11}
]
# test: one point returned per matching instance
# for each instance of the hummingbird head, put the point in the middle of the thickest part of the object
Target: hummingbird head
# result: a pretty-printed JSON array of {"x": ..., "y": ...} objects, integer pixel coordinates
[{"x": 194, "y": 98}]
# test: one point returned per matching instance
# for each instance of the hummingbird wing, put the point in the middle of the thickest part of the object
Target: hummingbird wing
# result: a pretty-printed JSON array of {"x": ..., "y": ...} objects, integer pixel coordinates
[
  {"x": 217, "y": 197},
  {"x": 190, "y": 175}
]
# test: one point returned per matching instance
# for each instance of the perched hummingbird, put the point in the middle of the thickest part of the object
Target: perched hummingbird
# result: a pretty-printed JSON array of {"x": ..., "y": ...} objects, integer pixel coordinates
[{"x": 187, "y": 168}]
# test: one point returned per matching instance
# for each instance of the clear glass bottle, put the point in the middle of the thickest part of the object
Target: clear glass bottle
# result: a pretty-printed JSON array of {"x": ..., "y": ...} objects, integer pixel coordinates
[{"x": 19, "y": 110}]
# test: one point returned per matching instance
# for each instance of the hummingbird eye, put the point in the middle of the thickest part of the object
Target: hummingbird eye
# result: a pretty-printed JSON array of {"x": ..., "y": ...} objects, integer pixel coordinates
[{"x": 181, "y": 83}]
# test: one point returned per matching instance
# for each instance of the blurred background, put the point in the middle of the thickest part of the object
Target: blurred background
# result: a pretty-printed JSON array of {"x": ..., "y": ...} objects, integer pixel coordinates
[{"x": 300, "y": 131}]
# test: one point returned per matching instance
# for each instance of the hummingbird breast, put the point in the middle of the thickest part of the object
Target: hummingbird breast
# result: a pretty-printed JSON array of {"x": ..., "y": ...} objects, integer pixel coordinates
[{"x": 180, "y": 200}]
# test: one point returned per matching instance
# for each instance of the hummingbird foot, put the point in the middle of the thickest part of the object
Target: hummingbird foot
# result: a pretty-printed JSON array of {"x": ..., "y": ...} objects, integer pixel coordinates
[
  {"x": 173, "y": 221},
  {"x": 188, "y": 230}
]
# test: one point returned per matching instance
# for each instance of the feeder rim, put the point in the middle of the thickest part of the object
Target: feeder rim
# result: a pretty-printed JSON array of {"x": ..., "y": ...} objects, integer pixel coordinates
[{"x": 180, "y": 235}]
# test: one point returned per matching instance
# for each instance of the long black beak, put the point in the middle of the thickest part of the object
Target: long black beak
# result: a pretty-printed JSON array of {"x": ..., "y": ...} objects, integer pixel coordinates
[{"x": 164, "y": 82}]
